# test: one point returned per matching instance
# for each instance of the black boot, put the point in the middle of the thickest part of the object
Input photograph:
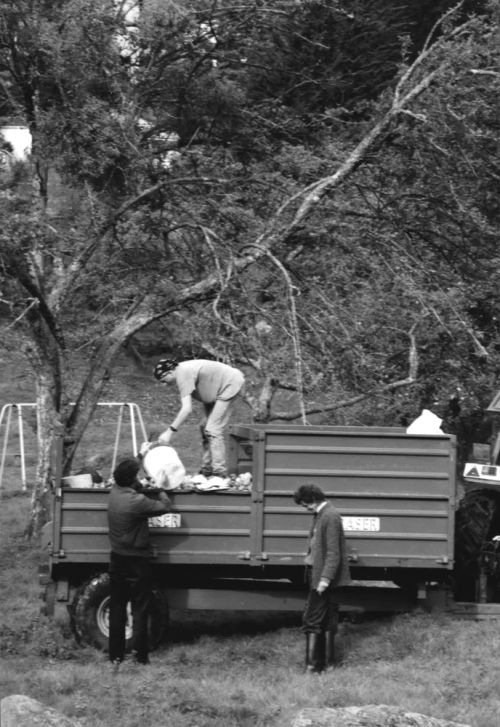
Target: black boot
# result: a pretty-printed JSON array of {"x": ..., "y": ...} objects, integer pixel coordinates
[
  {"x": 329, "y": 650},
  {"x": 315, "y": 653}
]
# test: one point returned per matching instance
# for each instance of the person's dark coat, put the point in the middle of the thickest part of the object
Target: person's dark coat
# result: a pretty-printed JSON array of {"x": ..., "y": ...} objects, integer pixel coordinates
[
  {"x": 328, "y": 553},
  {"x": 128, "y": 513}
]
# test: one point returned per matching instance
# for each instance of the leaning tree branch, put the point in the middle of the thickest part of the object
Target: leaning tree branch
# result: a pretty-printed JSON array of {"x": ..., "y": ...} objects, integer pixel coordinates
[
  {"x": 276, "y": 232},
  {"x": 377, "y": 391},
  {"x": 312, "y": 195}
]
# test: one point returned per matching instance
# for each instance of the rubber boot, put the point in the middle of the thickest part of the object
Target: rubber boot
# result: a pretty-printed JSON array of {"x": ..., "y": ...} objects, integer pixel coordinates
[
  {"x": 308, "y": 649},
  {"x": 315, "y": 654},
  {"x": 329, "y": 650}
]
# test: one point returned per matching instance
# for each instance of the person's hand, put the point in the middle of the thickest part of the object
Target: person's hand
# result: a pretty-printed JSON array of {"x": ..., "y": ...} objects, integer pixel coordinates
[
  {"x": 164, "y": 498},
  {"x": 323, "y": 585},
  {"x": 165, "y": 436},
  {"x": 144, "y": 447}
]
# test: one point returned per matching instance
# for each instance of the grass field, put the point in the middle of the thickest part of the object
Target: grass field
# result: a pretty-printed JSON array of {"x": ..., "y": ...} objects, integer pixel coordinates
[{"x": 224, "y": 669}]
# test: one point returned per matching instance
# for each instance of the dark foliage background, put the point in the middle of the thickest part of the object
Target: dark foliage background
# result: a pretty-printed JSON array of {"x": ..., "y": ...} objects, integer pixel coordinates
[{"x": 172, "y": 150}]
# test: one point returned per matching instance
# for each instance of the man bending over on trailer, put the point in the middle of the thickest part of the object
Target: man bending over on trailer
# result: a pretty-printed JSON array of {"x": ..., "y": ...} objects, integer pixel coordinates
[{"x": 217, "y": 386}]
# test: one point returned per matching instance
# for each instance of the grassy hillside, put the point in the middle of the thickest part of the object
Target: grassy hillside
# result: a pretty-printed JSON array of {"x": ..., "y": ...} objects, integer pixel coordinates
[{"x": 223, "y": 669}]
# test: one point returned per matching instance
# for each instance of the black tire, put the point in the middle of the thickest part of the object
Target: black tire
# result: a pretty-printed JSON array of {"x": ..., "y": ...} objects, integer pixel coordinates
[
  {"x": 477, "y": 520},
  {"x": 90, "y": 615}
]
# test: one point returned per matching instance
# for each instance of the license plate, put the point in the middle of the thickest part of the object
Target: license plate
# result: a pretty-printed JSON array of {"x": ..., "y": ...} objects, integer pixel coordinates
[
  {"x": 361, "y": 524},
  {"x": 169, "y": 520}
]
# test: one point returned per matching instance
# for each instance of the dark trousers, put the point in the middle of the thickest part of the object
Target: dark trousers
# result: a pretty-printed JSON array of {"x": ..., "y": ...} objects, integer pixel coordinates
[
  {"x": 321, "y": 612},
  {"x": 131, "y": 580}
]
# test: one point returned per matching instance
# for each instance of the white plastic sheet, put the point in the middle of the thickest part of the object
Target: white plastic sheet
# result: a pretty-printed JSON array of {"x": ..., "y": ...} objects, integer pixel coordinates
[{"x": 426, "y": 423}]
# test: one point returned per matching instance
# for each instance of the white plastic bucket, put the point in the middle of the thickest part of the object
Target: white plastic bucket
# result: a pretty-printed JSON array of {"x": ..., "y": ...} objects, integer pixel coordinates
[{"x": 162, "y": 464}]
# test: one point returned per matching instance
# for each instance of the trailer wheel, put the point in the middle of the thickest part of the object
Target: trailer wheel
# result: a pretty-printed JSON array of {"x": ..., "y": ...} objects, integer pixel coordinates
[
  {"x": 477, "y": 520},
  {"x": 90, "y": 615}
]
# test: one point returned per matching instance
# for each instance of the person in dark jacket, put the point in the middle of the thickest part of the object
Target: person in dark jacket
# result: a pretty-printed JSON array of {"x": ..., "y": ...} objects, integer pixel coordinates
[
  {"x": 327, "y": 568},
  {"x": 130, "y": 559}
]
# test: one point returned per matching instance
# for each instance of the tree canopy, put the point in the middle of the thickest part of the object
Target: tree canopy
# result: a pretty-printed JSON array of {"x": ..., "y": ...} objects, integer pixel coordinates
[{"x": 304, "y": 188}]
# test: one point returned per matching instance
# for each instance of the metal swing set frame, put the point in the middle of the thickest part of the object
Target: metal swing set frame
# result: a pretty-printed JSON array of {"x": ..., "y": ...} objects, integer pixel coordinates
[{"x": 6, "y": 425}]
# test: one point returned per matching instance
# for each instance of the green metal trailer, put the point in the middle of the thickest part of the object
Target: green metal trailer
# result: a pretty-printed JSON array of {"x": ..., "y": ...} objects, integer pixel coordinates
[{"x": 245, "y": 550}]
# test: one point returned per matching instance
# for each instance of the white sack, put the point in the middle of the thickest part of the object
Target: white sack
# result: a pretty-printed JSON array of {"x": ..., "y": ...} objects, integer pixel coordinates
[
  {"x": 162, "y": 464},
  {"x": 426, "y": 423}
]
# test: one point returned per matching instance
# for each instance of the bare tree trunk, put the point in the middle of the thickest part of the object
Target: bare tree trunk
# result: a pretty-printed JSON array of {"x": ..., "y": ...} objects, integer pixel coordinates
[
  {"x": 48, "y": 429},
  {"x": 260, "y": 405},
  {"x": 45, "y": 352}
]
